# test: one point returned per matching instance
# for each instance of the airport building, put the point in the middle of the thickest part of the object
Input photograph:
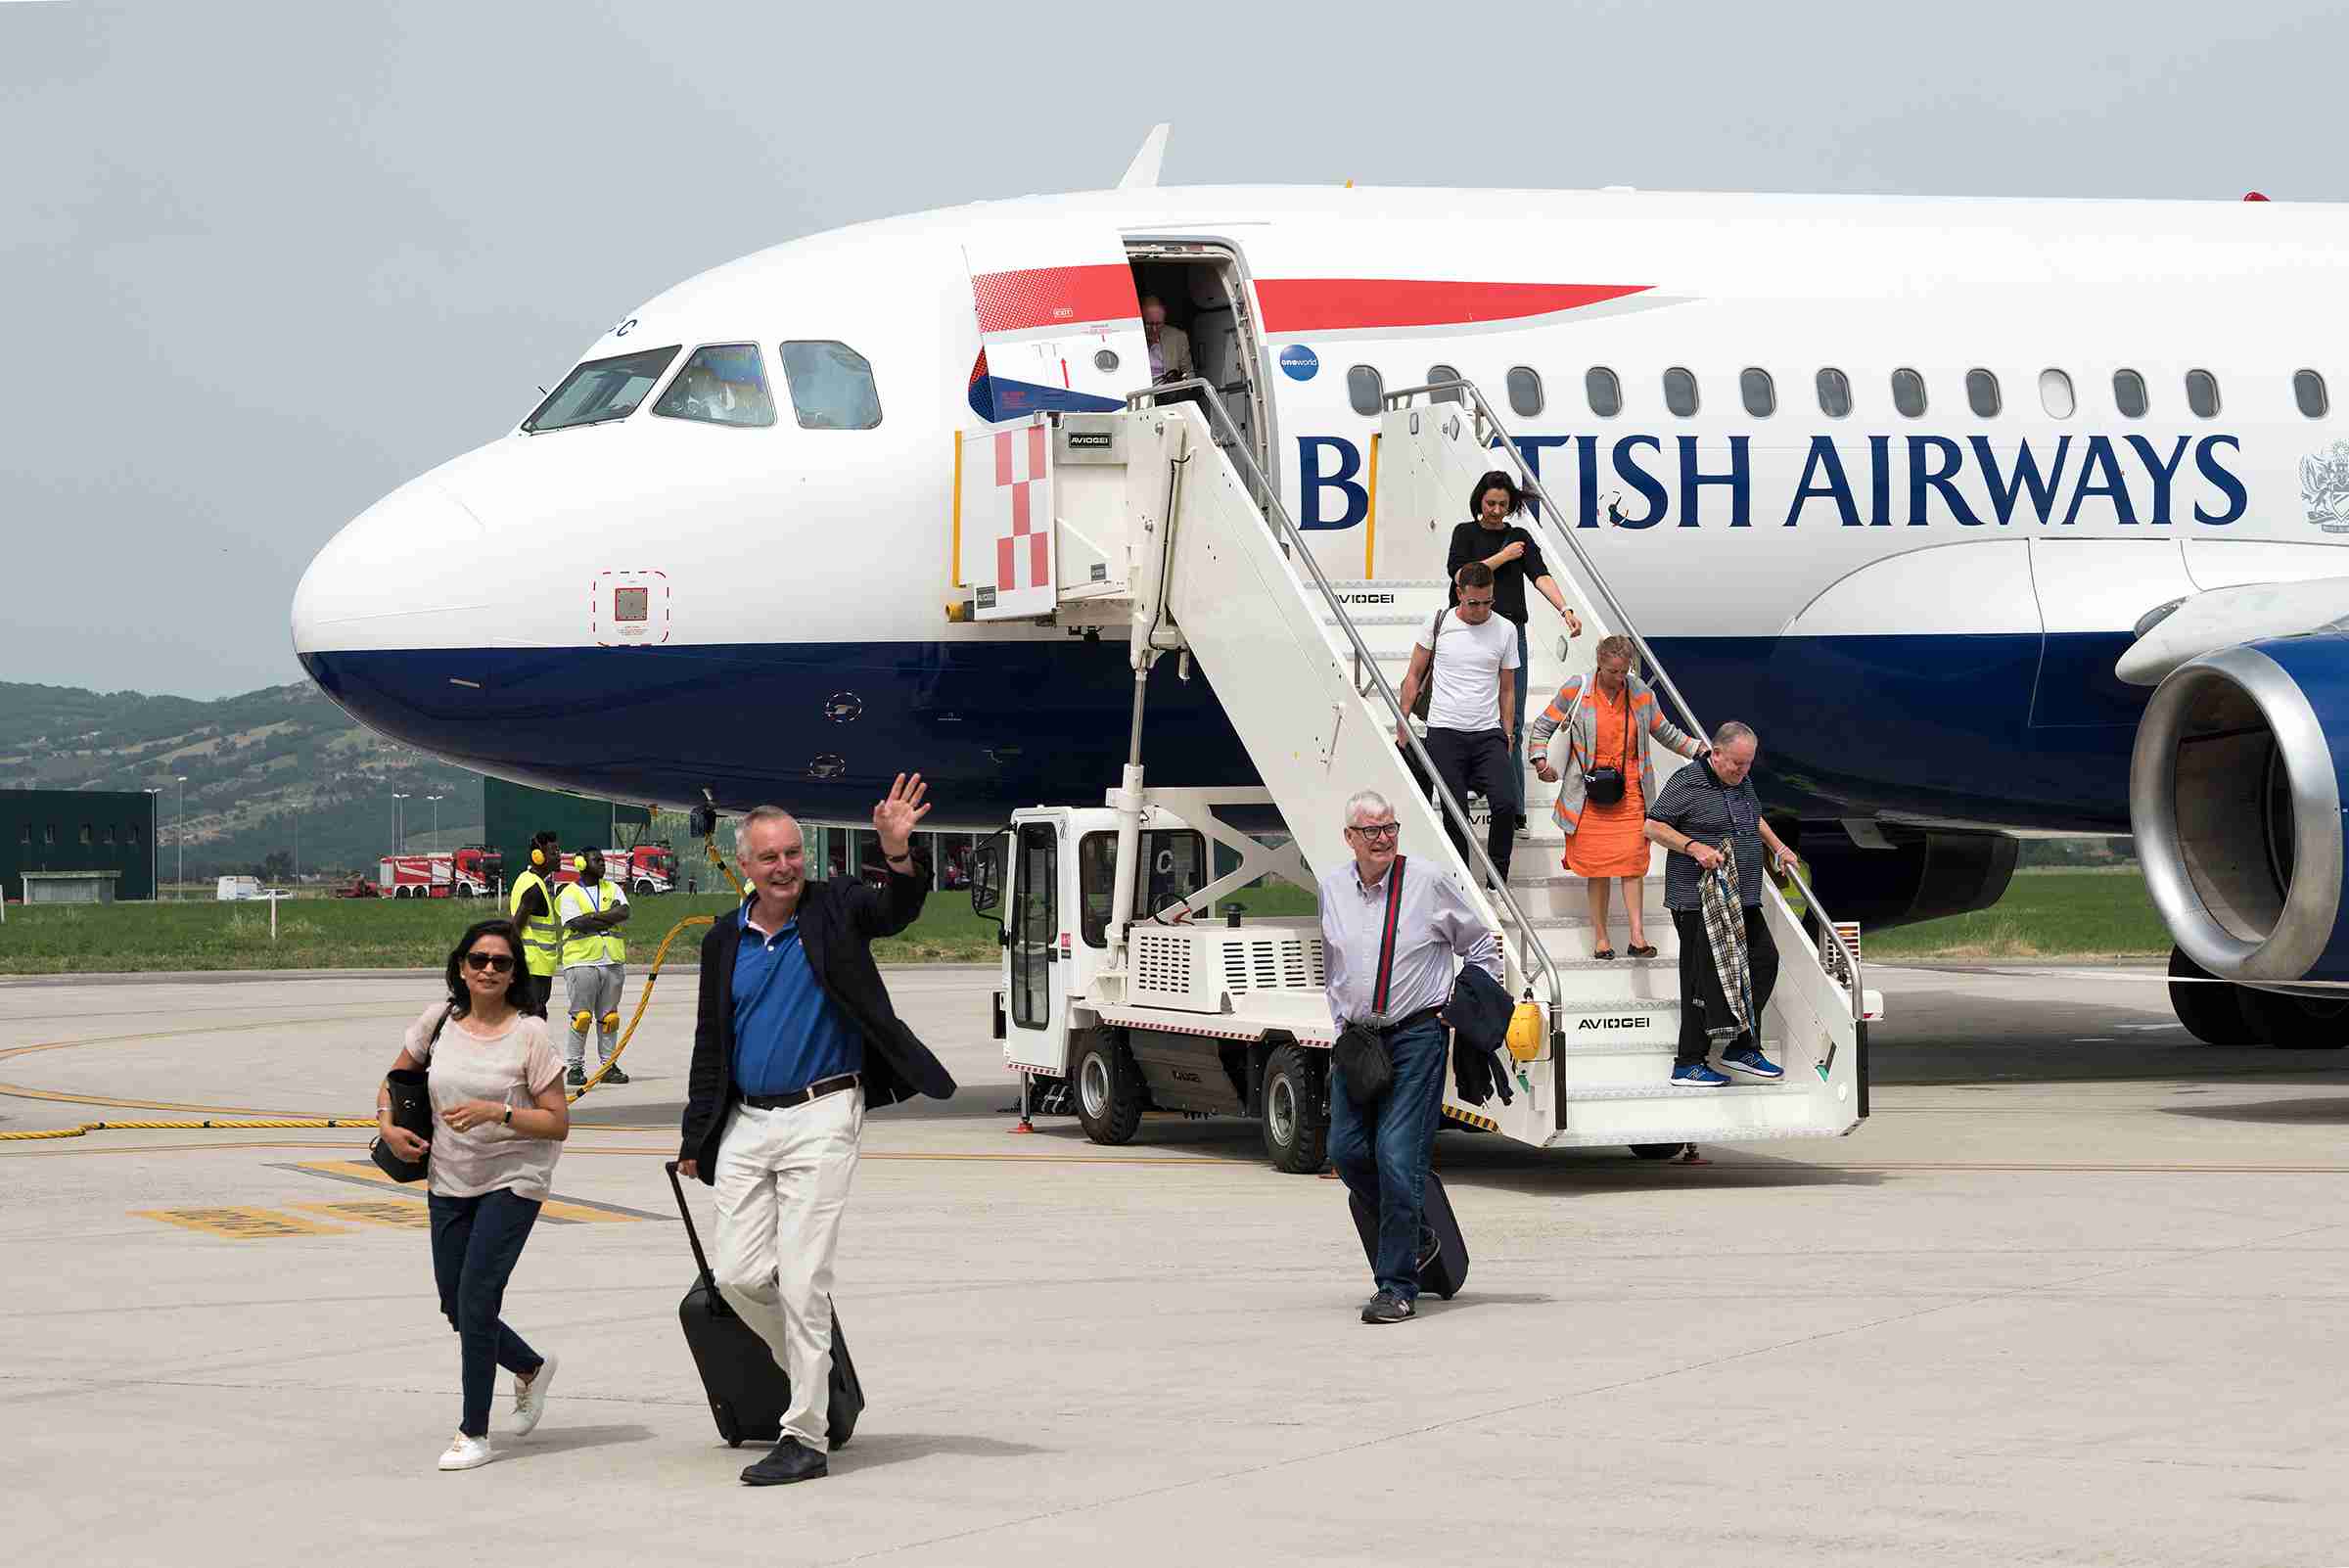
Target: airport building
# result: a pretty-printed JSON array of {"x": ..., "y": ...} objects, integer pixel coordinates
[
  {"x": 76, "y": 845},
  {"x": 512, "y": 812}
]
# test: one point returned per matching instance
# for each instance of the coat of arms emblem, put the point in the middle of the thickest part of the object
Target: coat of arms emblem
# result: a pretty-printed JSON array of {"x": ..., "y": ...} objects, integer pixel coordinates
[{"x": 2325, "y": 487}]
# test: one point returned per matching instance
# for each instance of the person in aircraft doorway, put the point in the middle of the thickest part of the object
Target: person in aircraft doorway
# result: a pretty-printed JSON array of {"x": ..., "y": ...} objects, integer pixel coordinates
[
  {"x": 595, "y": 963},
  {"x": 1169, "y": 345},
  {"x": 1516, "y": 560}
]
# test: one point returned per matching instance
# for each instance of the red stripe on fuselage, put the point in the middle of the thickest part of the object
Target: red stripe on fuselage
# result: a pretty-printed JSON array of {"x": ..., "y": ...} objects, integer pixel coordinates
[
  {"x": 1334, "y": 305},
  {"x": 1047, "y": 297}
]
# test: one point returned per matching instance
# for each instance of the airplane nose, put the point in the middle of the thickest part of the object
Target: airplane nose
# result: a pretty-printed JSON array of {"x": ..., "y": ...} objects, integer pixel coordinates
[{"x": 403, "y": 573}]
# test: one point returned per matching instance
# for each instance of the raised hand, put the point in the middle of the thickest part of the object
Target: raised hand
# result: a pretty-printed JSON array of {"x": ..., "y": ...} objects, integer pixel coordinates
[{"x": 893, "y": 818}]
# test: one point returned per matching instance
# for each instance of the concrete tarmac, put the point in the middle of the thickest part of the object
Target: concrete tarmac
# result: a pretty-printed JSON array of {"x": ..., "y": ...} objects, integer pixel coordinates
[{"x": 2072, "y": 1295}]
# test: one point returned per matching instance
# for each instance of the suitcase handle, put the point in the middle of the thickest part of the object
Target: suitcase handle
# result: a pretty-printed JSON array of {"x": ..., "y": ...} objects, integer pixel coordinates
[{"x": 691, "y": 1235}]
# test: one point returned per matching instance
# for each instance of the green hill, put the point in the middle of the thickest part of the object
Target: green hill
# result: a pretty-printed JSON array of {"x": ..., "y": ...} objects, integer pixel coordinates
[{"x": 256, "y": 766}]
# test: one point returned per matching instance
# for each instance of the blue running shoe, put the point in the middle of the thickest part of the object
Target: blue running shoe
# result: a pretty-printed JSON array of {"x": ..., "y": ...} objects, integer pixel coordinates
[
  {"x": 1698, "y": 1076},
  {"x": 1750, "y": 1061}
]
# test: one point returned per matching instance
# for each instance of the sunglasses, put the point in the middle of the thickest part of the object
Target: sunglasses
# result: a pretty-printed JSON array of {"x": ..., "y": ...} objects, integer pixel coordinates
[
  {"x": 1377, "y": 830},
  {"x": 497, "y": 963},
  {"x": 1476, "y": 604}
]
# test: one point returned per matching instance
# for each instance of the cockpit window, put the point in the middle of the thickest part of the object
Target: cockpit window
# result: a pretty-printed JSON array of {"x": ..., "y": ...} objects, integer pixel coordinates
[
  {"x": 724, "y": 384},
  {"x": 602, "y": 389},
  {"x": 831, "y": 387}
]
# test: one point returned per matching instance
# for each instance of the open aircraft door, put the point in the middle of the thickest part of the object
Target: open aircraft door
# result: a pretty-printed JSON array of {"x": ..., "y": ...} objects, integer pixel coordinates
[
  {"x": 1059, "y": 326},
  {"x": 1060, "y": 330}
]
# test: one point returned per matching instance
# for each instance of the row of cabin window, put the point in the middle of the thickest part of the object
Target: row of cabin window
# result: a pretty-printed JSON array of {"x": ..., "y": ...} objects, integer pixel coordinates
[
  {"x": 1365, "y": 389},
  {"x": 130, "y": 835}
]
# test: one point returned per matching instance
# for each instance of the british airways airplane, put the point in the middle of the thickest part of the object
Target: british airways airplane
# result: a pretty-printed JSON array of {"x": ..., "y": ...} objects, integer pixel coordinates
[{"x": 1932, "y": 493}]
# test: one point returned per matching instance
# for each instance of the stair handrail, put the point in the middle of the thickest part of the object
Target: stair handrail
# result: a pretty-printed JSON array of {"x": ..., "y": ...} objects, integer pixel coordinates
[
  {"x": 1292, "y": 542},
  {"x": 1545, "y": 518}
]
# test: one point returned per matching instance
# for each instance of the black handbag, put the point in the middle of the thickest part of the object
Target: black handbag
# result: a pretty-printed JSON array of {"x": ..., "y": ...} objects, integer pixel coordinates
[
  {"x": 1603, "y": 786},
  {"x": 1427, "y": 687},
  {"x": 1365, "y": 1067},
  {"x": 409, "y": 1092}
]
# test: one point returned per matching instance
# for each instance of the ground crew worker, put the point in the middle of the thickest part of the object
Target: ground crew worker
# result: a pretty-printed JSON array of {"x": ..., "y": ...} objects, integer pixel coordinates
[
  {"x": 532, "y": 907},
  {"x": 595, "y": 962}
]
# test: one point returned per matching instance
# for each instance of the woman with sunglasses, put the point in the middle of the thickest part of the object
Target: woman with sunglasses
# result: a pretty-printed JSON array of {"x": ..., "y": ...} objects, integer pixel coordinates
[{"x": 496, "y": 1088}]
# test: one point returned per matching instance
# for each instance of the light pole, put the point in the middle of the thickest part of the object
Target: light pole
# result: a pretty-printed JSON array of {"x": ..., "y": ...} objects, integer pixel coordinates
[
  {"x": 179, "y": 831},
  {"x": 154, "y": 867},
  {"x": 298, "y": 847},
  {"x": 397, "y": 848},
  {"x": 435, "y": 800}
]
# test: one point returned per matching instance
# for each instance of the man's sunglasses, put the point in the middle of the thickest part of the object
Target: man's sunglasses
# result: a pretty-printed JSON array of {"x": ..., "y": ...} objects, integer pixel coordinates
[
  {"x": 1376, "y": 830},
  {"x": 497, "y": 963}
]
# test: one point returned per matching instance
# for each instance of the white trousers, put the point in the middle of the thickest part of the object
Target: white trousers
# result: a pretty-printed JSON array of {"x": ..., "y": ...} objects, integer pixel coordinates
[
  {"x": 595, "y": 989},
  {"x": 782, "y": 1182}
]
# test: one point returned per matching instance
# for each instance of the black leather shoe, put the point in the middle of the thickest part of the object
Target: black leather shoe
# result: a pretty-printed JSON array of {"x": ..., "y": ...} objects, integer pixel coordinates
[
  {"x": 1388, "y": 1308},
  {"x": 791, "y": 1460}
]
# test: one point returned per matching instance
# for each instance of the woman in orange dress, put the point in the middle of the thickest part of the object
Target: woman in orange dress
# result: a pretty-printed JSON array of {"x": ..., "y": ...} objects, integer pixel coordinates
[{"x": 1611, "y": 721}]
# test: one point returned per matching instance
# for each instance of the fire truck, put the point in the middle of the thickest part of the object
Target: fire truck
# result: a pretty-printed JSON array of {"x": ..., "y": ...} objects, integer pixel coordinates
[
  {"x": 471, "y": 872},
  {"x": 646, "y": 868}
]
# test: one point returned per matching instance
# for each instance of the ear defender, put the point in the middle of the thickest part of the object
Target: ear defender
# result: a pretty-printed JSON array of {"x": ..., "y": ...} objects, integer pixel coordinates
[
  {"x": 579, "y": 862},
  {"x": 580, "y": 1020},
  {"x": 611, "y": 1019},
  {"x": 538, "y": 856}
]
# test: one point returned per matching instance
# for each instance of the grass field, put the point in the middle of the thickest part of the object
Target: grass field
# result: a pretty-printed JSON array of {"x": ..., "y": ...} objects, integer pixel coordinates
[
  {"x": 2102, "y": 912},
  {"x": 2068, "y": 913},
  {"x": 376, "y": 933}
]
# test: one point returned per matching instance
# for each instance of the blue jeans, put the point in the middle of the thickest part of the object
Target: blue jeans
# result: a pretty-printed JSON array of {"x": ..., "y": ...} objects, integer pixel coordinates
[
  {"x": 475, "y": 1243},
  {"x": 1382, "y": 1153}
]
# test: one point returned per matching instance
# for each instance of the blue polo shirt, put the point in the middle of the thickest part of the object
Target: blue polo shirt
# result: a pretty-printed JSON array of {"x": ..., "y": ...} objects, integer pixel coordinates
[{"x": 787, "y": 1034}]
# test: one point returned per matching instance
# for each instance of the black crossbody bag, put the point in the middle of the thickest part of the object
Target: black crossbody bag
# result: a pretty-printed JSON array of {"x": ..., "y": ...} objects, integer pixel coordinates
[
  {"x": 1362, "y": 1058},
  {"x": 411, "y": 1107},
  {"x": 1603, "y": 786},
  {"x": 1427, "y": 689}
]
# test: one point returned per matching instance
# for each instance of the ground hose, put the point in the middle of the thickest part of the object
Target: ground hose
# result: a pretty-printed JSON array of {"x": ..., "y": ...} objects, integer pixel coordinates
[{"x": 240, "y": 1123}]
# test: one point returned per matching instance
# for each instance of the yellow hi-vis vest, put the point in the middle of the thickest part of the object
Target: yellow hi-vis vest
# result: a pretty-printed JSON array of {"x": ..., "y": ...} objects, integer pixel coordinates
[
  {"x": 541, "y": 937},
  {"x": 593, "y": 946}
]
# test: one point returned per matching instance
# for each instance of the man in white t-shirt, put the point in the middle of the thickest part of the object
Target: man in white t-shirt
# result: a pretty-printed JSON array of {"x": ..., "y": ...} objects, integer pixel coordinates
[{"x": 1471, "y": 656}]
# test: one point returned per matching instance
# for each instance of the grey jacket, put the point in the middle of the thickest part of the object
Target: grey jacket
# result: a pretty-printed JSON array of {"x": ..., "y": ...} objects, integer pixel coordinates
[{"x": 1575, "y": 710}]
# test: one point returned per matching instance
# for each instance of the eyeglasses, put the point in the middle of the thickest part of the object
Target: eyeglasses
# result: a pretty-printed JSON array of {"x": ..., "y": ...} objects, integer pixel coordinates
[
  {"x": 1476, "y": 604},
  {"x": 497, "y": 963},
  {"x": 1376, "y": 830}
]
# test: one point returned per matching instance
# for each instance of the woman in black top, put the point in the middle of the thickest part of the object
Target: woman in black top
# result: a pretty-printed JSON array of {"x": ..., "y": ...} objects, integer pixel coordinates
[{"x": 1515, "y": 559}]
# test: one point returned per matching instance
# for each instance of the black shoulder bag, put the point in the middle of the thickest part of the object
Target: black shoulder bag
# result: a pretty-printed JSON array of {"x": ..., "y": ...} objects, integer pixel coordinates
[
  {"x": 1362, "y": 1058},
  {"x": 411, "y": 1104},
  {"x": 1427, "y": 687},
  {"x": 1603, "y": 786}
]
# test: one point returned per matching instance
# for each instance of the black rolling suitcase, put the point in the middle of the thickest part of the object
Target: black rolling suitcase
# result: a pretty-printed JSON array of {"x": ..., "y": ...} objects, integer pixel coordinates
[
  {"x": 1443, "y": 1252},
  {"x": 747, "y": 1392}
]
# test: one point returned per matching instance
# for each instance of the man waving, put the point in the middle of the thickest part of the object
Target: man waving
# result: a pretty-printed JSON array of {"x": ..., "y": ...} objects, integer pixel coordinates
[{"x": 795, "y": 1038}]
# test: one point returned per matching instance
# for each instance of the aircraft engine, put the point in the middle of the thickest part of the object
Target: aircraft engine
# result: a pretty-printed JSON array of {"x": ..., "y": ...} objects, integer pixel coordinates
[{"x": 2236, "y": 793}]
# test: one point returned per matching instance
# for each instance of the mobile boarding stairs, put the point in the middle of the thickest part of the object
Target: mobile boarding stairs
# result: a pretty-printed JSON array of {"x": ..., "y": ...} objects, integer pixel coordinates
[{"x": 1155, "y": 524}]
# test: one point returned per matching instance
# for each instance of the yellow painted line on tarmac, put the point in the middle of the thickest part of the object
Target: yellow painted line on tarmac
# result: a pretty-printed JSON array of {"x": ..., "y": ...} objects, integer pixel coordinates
[
  {"x": 241, "y": 1222},
  {"x": 568, "y": 1211},
  {"x": 403, "y": 1214}
]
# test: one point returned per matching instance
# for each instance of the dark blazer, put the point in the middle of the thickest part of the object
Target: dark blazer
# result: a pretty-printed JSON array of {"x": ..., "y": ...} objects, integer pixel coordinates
[{"x": 839, "y": 920}]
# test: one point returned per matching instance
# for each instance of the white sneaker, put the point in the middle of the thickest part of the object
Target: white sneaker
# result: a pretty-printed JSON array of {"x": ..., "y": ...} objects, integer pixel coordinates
[
  {"x": 467, "y": 1453},
  {"x": 529, "y": 1398}
]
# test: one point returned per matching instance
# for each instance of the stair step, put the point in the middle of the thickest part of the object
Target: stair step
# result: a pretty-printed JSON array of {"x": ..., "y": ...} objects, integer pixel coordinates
[
  {"x": 1667, "y": 1092},
  {"x": 1631, "y": 966},
  {"x": 1586, "y": 1004}
]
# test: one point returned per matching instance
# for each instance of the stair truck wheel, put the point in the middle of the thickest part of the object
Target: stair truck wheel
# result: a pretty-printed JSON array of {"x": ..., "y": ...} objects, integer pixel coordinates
[
  {"x": 2294, "y": 1023},
  {"x": 1296, "y": 1126},
  {"x": 1109, "y": 1089},
  {"x": 2209, "y": 1008},
  {"x": 1657, "y": 1151}
]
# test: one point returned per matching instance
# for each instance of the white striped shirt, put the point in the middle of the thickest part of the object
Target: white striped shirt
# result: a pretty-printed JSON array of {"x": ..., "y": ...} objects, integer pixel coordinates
[{"x": 1435, "y": 925}]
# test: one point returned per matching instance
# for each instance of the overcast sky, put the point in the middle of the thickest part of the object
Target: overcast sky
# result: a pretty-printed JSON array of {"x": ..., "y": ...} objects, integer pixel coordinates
[{"x": 262, "y": 263}]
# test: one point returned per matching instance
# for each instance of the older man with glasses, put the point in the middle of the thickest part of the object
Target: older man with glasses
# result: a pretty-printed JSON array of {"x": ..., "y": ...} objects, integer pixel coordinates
[{"x": 1391, "y": 949}]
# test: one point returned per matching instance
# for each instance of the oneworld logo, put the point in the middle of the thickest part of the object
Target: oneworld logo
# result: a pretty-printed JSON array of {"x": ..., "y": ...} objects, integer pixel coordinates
[{"x": 1299, "y": 362}]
